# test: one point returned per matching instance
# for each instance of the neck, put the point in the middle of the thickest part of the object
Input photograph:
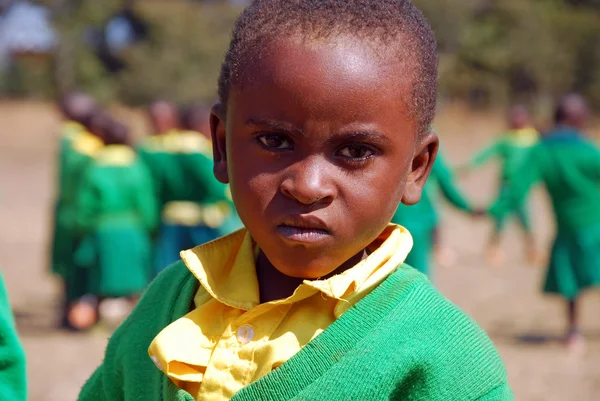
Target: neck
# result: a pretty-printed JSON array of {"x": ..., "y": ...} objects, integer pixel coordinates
[{"x": 274, "y": 285}]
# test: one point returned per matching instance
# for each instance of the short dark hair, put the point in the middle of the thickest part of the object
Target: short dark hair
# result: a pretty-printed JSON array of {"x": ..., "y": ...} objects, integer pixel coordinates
[{"x": 382, "y": 21}]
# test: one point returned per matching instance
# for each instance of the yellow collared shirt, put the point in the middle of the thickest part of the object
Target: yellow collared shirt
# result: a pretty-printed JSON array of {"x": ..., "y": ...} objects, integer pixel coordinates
[{"x": 231, "y": 340}]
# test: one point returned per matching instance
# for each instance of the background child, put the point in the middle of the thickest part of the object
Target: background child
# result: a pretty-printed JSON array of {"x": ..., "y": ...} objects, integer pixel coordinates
[
  {"x": 77, "y": 146},
  {"x": 321, "y": 130},
  {"x": 192, "y": 203},
  {"x": 512, "y": 150},
  {"x": 569, "y": 166},
  {"x": 422, "y": 220},
  {"x": 12, "y": 357},
  {"x": 116, "y": 210}
]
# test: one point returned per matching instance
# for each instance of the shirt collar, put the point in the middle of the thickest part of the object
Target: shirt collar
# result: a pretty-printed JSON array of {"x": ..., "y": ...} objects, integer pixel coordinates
[
  {"x": 115, "y": 155},
  {"x": 226, "y": 269}
]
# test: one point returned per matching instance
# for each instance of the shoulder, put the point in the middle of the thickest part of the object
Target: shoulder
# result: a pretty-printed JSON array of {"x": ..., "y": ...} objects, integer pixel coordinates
[
  {"x": 452, "y": 356},
  {"x": 168, "y": 297}
]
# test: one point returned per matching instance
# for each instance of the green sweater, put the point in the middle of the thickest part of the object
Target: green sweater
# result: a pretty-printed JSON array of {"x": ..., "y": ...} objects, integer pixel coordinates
[
  {"x": 569, "y": 167},
  {"x": 115, "y": 193},
  {"x": 404, "y": 342},
  {"x": 174, "y": 166},
  {"x": 12, "y": 358},
  {"x": 424, "y": 215}
]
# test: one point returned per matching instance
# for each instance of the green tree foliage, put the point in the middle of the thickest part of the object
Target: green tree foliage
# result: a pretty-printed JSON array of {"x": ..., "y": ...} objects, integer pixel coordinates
[
  {"x": 525, "y": 50},
  {"x": 491, "y": 51}
]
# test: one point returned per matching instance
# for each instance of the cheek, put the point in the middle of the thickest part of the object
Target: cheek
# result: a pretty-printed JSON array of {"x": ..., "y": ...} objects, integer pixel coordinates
[
  {"x": 374, "y": 197},
  {"x": 251, "y": 186}
]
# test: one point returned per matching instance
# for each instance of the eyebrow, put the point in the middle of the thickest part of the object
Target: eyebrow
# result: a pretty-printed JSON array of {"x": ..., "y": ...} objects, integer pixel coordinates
[
  {"x": 274, "y": 125},
  {"x": 366, "y": 136}
]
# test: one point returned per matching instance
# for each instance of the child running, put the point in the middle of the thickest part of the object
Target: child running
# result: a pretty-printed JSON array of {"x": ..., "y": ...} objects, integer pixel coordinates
[
  {"x": 512, "y": 149},
  {"x": 422, "y": 220},
  {"x": 116, "y": 210},
  {"x": 322, "y": 129},
  {"x": 568, "y": 164}
]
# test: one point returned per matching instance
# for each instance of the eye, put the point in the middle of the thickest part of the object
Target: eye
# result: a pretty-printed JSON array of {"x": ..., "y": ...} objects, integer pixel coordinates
[
  {"x": 356, "y": 152},
  {"x": 275, "y": 142}
]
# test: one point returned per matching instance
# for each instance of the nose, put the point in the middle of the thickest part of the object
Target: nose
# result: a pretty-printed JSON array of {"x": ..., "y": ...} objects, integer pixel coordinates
[{"x": 309, "y": 182}]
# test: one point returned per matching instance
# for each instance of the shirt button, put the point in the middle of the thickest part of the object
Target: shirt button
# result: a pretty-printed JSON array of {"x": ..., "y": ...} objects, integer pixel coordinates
[{"x": 245, "y": 334}]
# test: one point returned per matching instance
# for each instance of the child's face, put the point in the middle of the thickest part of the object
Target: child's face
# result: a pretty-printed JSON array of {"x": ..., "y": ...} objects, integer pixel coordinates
[
  {"x": 518, "y": 118},
  {"x": 163, "y": 119},
  {"x": 319, "y": 145}
]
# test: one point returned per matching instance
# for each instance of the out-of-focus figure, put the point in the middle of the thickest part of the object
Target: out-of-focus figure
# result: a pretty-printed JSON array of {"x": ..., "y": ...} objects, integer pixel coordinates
[
  {"x": 116, "y": 211},
  {"x": 512, "y": 150},
  {"x": 194, "y": 206},
  {"x": 77, "y": 146},
  {"x": 568, "y": 164}
]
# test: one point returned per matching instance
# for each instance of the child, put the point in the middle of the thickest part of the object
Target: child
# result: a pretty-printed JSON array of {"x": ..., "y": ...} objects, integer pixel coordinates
[
  {"x": 193, "y": 204},
  {"x": 512, "y": 149},
  {"x": 196, "y": 118},
  {"x": 422, "y": 219},
  {"x": 77, "y": 147},
  {"x": 12, "y": 357},
  {"x": 321, "y": 131},
  {"x": 77, "y": 109},
  {"x": 569, "y": 166},
  {"x": 220, "y": 216},
  {"x": 116, "y": 210}
]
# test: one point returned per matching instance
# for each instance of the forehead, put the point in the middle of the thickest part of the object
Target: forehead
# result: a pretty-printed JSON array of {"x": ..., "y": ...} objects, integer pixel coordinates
[{"x": 340, "y": 78}]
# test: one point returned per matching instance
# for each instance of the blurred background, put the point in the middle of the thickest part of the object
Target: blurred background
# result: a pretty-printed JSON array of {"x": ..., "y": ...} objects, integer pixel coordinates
[{"x": 126, "y": 53}]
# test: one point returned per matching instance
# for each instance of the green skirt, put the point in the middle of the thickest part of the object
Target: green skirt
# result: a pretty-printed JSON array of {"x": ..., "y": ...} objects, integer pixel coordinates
[
  {"x": 574, "y": 263},
  {"x": 118, "y": 259}
]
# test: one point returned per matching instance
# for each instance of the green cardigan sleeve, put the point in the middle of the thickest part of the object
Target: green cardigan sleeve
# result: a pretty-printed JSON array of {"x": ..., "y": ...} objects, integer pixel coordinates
[
  {"x": 127, "y": 372},
  {"x": 486, "y": 154},
  {"x": 445, "y": 178},
  {"x": 12, "y": 357}
]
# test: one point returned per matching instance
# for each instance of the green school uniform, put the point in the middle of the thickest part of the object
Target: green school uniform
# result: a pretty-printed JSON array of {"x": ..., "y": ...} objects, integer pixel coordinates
[
  {"x": 12, "y": 358},
  {"x": 116, "y": 209},
  {"x": 569, "y": 167},
  {"x": 76, "y": 149},
  {"x": 194, "y": 206},
  {"x": 403, "y": 341},
  {"x": 422, "y": 219},
  {"x": 512, "y": 150}
]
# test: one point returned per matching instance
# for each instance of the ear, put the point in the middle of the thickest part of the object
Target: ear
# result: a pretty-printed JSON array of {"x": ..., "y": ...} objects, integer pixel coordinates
[
  {"x": 421, "y": 167},
  {"x": 219, "y": 142}
]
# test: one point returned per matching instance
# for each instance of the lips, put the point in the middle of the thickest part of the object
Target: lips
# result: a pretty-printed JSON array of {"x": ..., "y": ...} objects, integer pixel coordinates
[{"x": 304, "y": 229}]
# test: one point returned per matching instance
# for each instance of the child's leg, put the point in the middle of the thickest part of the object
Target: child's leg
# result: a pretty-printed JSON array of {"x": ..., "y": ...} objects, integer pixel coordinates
[
  {"x": 574, "y": 340},
  {"x": 444, "y": 256},
  {"x": 524, "y": 220},
  {"x": 493, "y": 252}
]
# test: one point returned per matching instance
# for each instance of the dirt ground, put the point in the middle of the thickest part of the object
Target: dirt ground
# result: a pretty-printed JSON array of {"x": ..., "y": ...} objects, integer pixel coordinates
[{"x": 506, "y": 301}]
